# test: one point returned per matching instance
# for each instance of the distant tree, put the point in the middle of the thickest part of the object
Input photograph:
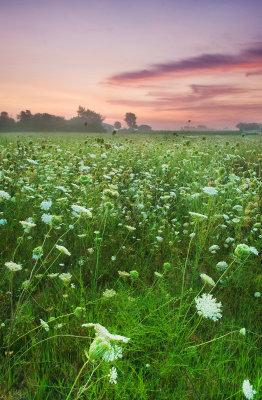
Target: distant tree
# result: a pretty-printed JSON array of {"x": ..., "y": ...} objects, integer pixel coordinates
[
  {"x": 6, "y": 123},
  {"x": 130, "y": 119},
  {"x": 25, "y": 120},
  {"x": 144, "y": 128},
  {"x": 117, "y": 125},
  {"x": 87, "y": 120},
  {"x": 253, "y": 126}
]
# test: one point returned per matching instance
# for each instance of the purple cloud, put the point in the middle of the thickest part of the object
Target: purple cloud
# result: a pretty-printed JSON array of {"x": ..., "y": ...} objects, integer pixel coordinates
[{"x": 249, "y": 58}]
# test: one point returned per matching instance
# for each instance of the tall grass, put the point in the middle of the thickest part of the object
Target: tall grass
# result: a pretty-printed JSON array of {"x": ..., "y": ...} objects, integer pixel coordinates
[{"x": 131, "y": 261}]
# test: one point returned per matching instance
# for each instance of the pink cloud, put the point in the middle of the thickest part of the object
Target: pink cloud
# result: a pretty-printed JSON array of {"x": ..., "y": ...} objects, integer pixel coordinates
[{"x": 250, "y": 58}]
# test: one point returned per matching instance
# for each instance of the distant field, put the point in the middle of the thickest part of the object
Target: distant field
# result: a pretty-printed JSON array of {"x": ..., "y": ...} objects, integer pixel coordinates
[{"x": 156, "y": 238}]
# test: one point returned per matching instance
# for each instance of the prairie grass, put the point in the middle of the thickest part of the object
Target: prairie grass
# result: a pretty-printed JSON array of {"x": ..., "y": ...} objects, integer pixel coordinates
[{"x": 130, "y": 261}]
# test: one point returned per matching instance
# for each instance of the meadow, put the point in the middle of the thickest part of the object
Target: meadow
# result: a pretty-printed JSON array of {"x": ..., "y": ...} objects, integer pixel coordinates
[{"x": 130, "y": 267}]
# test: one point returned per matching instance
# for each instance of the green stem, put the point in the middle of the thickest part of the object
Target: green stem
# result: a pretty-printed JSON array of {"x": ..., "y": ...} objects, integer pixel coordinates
[{"x": 78, "y": 376}]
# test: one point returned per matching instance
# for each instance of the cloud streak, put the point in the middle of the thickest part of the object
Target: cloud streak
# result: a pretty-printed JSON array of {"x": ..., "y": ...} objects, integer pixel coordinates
[{"x": 249, "y": 59}]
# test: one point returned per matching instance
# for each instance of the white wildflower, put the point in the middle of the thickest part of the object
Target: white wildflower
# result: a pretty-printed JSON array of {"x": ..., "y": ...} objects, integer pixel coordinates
[
  {"x": 65, "y": 277},
  {"x": 248, "y": 390},
  {"x": 113, "y": 354},
  {"x": 209, "y": 190},
  {"x": 44, "y": 325},
  {"x": 12, "y": 266},
  {"x": 213, "y": 249},
  {"x": 45, "y": 205},
  {"x": 222, "y": 265},
  {"x": 63, "y": 250},
  {"x": 27, "y": 225},
  {"x": 102, "y": 331},
  {"x": 112, "y": 376},
  {"x": 197, "y": 215},
  {"x": 47, "y": 218},
  {"x": 208, "y": 307},
  {"x": 4, "y": 195},
  {"x": 108, "y": 293},
  {"x": 81, "y": 210},
  {"x": 257, "y": 294}
]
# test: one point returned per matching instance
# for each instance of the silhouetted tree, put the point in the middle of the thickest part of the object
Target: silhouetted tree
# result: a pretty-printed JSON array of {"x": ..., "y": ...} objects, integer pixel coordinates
[
  {"x": 253, "y": 126},
  {"x": 6, "y": 123},
  {"x": 117, "y": 125},
  {"x": 144, "y": 128},
  {"x": 130, "y": 119},
  {"x": 87, "y": 121}
]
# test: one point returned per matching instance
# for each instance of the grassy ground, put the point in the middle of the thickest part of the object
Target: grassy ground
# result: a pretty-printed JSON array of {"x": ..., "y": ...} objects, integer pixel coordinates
[{"x": 130, "y": 260}]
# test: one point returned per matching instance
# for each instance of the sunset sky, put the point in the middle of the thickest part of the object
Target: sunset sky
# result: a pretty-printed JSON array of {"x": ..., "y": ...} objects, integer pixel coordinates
[{"x": 167, "y": 61}]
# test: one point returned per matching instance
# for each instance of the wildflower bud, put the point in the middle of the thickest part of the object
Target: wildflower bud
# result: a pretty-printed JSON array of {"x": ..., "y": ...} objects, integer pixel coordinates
[
  {"x": 242, "y": 331},
  {"x": 167, "y": 266},
  {"x": 56, "y": 220},
  {"x": 78, "y": 311},
  {"x": 242, "y": 250},
  {"x": 84, "y": 179},
  {"x": 37, "y": 252},
  {"x": 221, "y": 171},
  {"x": 19, "y": 240},
  {"x": 109, "y": 205},
  {"x": 134, "y": 274},
  {"x": 98, "y": 348}
]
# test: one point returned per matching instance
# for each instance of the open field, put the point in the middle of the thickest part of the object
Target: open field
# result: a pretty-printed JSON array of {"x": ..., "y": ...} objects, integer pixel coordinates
[{"x": 116, "y": 231}]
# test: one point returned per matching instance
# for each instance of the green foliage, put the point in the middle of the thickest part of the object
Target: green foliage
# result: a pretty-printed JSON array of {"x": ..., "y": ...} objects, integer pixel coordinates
[{"x": 128, "y": 256}]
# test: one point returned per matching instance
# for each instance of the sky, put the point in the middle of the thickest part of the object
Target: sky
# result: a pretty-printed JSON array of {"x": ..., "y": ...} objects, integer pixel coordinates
[{"x": 167, "y": 61}]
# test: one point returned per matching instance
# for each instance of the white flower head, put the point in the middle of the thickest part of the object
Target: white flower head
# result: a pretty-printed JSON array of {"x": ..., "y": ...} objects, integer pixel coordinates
[
  {"x": 81, "y": 210},
  {"x": 108, "y": 293},
  {"x": 45, "y": 205},
  {"x": 113, "y": 354},
  {"x": 209, "y": 190},
  {"x": 44, "y": 325},
  {"x": 257, "y": 294},
  {"x": 102, "y": 331},
  {"x": 213, "y": 249},
  {"x": 208, "y": 307},
  {"x": 65, "y": 277},
  {"x": 63, "y": 250},
  {"x": 197, "y": 215},
  {"x": 248, "y": 390},
  {"x": 4, "y": 195},
  {"x": 27, "y": 225},
  {"x": 47, "y": 218},
  {"x": 12, "y": 266},
  {"x": 112, "y": 376},
  {"x": 222, "y": 265}
]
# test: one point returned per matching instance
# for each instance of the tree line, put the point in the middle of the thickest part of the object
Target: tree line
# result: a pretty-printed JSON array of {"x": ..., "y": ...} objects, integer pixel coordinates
[{"x": 85, "y": 121}]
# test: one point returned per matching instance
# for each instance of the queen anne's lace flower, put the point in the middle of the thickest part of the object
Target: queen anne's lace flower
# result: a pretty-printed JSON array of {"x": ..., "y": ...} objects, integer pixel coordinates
[
  {"x": 63, "y": 250},
  {"x": 112, "y": 375},
  {"x": 4, "y": 195},
  {"x": 209, "y": 190},
  {"x": 248, "y": 390},
  {"x": 13, "y": 266},
  {"x": 81, "y": 210},
  {"x": 208, "y": 307},
  {"x": 102, "y": 331}
]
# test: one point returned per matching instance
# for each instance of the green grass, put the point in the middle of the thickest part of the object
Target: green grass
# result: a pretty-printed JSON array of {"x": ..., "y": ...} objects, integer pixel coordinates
[{"x": 141, "y": 223}]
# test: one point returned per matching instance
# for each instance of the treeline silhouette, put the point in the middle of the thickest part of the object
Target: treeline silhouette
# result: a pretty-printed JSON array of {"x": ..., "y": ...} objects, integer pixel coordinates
[{"x": 85, "y": 121}]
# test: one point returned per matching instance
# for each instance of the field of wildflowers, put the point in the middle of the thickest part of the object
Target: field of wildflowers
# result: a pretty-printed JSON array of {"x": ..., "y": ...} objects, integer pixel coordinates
[{"x": 130, "y": 267}]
